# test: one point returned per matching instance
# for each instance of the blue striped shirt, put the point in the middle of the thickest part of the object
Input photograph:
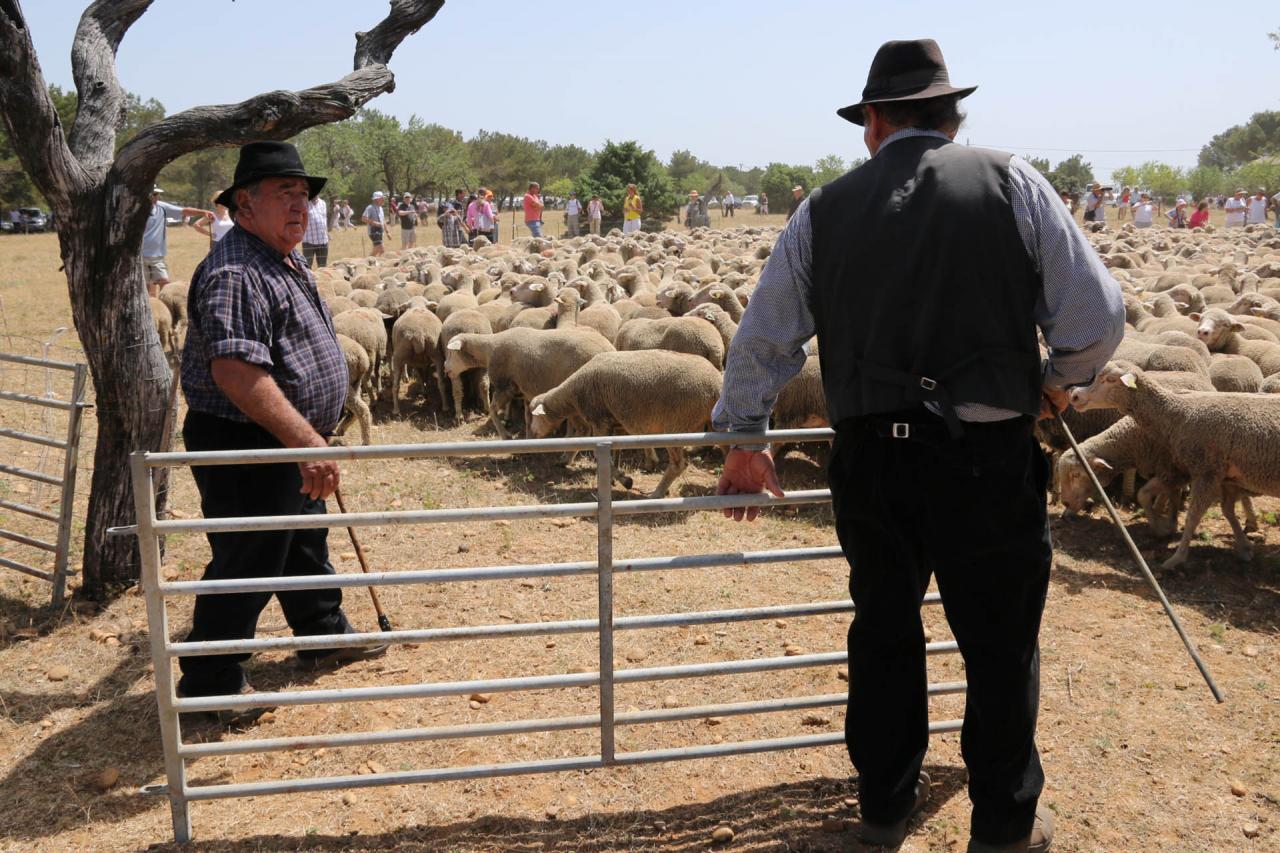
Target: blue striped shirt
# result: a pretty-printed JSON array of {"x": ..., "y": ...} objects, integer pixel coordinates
[{"x": 1079, "y": 311}]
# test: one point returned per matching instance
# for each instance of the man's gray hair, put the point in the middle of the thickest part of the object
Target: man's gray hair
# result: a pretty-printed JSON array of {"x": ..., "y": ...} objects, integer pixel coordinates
[{"x": 250, "y": 190}]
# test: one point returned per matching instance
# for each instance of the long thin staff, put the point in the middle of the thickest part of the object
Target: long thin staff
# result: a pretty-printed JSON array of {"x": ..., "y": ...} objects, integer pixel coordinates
[
  {"x": 1142, "y": 564},
  {"x": 383, "y": 622}
]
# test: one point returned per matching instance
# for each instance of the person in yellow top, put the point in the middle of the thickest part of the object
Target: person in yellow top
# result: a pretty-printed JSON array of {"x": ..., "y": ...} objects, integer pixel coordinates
[{"x": 632, "y": 207}]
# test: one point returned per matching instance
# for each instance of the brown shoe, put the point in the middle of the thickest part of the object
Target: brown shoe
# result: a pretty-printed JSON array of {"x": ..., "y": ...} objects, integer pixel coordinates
[
  {"x": 233, "y": 718},
  {"x": 1039, "y": 841},
  {"x": 333, "y": 658},
  {"x": 893, "y": 834}
]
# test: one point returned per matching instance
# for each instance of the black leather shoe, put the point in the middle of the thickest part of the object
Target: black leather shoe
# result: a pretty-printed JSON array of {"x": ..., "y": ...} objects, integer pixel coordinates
[
  {"x": 333, "y": 658},
  {"x": 1039, "y": 842},
  {"x": 893, "y": 834}
]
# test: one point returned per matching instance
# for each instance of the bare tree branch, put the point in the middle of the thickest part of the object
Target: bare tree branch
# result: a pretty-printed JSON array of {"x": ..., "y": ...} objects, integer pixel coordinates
[
  {"x": 101, "y": 99},
  {"x": 29, "y": 115},
  {"x": 406, "y": 18},
  {"x": 275, "y": 115}
]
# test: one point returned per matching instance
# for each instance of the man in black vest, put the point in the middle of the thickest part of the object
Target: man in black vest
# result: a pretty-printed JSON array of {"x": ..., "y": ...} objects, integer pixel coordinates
[{"x": 925, "y": 273}]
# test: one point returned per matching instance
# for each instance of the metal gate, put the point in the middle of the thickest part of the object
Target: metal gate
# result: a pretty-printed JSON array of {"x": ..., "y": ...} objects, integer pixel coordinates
[
  {"x": 603, "y": 509},
  {"x": 68, "y": 444}
]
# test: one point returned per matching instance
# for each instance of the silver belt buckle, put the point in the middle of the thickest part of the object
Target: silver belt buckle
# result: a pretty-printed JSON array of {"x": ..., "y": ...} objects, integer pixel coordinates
[{"x": 901, "y": 430}]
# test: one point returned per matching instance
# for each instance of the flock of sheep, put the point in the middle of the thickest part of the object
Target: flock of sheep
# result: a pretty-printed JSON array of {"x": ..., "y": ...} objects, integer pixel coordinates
[{"x": 611, "y": 334}]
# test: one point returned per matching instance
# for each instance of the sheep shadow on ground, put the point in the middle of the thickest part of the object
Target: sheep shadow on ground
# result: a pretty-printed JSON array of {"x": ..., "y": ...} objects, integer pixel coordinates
[
  {"x": 1212, "y": 581},
  {"x": 787, "y": 816}
]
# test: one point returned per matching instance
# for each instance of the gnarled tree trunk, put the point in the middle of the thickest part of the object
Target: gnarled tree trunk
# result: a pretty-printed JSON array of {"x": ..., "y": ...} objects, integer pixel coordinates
[{"x": 102, "y": 199}]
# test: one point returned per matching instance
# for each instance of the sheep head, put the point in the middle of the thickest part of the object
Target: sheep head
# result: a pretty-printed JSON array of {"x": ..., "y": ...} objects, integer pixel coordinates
[
  {"x": 1110, "y": 389},
  {"x": 1075, "y": 487},
  {"x": 1216, "y": 327},
  {"x": 541, "y": 422}
]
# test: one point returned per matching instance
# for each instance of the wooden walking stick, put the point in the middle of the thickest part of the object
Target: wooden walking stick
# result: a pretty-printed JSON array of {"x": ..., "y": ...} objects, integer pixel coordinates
[
  {"x": 1142, "y": 564},
  {"x": 383, "y": 622}
]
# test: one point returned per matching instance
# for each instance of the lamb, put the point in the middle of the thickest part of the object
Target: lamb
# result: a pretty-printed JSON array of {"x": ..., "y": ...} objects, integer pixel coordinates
[
  {"x": 456, "y": 301},
  {"x": 640, "y": 392},
  {"x": 174, "y": 296},
  {"x": 355, "y": 408},
  {"x": 1218, "y": 439},
  {"x": 523, "y": 362},
  {"x": 339, "y": 305},
  {"x": 562, "y": 313},
  {"x": 691, "y": 335},
  {"x": 365, "y": 326},
  {"x": 1235, "y": 373},
  {"x": 1151, "y": 356},
  {"x": 164, "y": 325},
  {"x": 722, "y": 296},
  {"x": 414, "y": 339},
  {"x": 467, "y": 321},
  {"x": 716, "y": 316},
  {"x": 1222, "y": 332}
]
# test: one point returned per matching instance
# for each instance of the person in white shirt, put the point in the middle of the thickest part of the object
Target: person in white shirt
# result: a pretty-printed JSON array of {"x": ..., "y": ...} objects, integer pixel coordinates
[
  {"x": 595, "y": 213},
  {"x": 315, "y": 240},
  {"x": 1275, "y": 208},
  {"x": 1143, "y": 211},
  {"x": 215, "y": 227},
  {"x": 729, "y": 202},
  {"x": 1235, "y": 208},
  {"x": 572, "y": 210},
  {"x": 1095, "y": 206},
  {"x": 154, "y": 241},
  {"x": 1258, "y": 208},
  {"x": 375, "y": 217}
]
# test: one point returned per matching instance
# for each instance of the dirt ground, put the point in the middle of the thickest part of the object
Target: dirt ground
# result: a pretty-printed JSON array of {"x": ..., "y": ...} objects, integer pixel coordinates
[{"x": 1137, "y": 754}]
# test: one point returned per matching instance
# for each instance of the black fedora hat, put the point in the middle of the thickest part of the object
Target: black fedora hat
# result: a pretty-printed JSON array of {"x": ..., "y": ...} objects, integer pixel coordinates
[
  {"x": 904, "y": 71},
  {"x": 260, "y": 160}
]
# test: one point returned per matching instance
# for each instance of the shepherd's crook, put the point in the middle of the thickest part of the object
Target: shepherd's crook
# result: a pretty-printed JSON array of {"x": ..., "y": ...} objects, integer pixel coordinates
[
  {"x": 383, "y": 622},
  {"x": 1142, "y": 563}
]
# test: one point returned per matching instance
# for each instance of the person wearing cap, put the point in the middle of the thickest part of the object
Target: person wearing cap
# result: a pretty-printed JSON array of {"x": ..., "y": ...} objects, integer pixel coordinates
[
  {"x": 692, "y": 210},
  {"x": 797, "y": 196},
  {"x": 632, "y": 210},
  {"x": 155, "y": 239},
  {"x": 533, "y": 209},
  {"x": 595, "y": 214},
  {"x": 1095, "y": 204},
  {"x": 1236, "y": 208},
  {"x": 572, "y": 212},
  {"x": 1258, "y": 208},
  {"x": 1178, "y": 216},
  {"x": 927, "y": 273},
  {"x": 261, "y": 368},
  {"x": 1143, "y": 211},
  {"x": 480, "y": 217},
  {"x": 315, "y": 242},
  {"x": 375, "y": 218},
  {"x": 216, "y": 225},
  {"x": 408, "y": 215}
]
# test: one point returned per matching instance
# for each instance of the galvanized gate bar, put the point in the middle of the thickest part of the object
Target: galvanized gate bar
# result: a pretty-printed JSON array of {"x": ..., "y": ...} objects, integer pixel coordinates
[
  {"x": 32, "y": 438},
  {"x": 28, "y": 541},
  {"x": 35, "y": 512},
  {"x": 47, "y": 402},
  {"x": 69, "y": 465},
  {"x": 25, "y": 569},
  {"x": 30, "y": 475},
  {"x": 606, "y": 622},
  {"x": 31, "y": 361}
]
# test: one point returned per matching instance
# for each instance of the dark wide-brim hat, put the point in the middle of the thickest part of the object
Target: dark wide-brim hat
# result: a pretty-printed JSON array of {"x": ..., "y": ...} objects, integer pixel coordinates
[
  {"x": 260, "y": 160},
  {"x": 904, "y": 71}
]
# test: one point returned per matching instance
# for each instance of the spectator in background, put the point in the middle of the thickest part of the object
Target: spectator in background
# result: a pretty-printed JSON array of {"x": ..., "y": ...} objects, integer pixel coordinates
[
  {"x": 1126, "y": 201},
  {"x": 452, "y": 232},
  {"x": 376, "y": 219},
  {"x": 1143, "y": 211},
  {"x": 1200, "y": 218},
  {"x": 533, "y": 209},
  {"x": 797, "y": 196},
  {"x": 347, "y": 213},
  {"x": 459, "y": 201},
  {"x": 1275, "y": 208},
  {"x": 762, "y": 207},
  {"x": 571, "y": 212},
  {"x": 1236, "y": 207},
  {"x": 1095, "y": 206},
  {"x": 1066, "y": 199},
  {"x": 1178, "y": 216},
  {"x": 216, "y": 225},
  {"x": 1258, "y": 208},
  {"x": 155, "y": 244},
  {"x": 315, "y": 241},
  {"x": 595, "y": 213},
  {"x": 691, "y": 210},
  {"x": 408, "y": 222},
  {"x": 727, "y": 209},
  {"x": 497, "y": 223},
  {"x": 480, "y": 218},
  {"x": 632, "y": 208}
]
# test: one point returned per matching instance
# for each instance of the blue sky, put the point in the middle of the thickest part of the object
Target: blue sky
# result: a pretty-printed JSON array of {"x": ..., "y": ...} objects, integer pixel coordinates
[{"x": 745, "y": 82}]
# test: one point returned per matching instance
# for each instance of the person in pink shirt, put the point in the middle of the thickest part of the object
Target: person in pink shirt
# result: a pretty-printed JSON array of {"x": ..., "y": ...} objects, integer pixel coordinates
[
  {"x": 480, "y": 217},
  {"x": 533, "y": 209}
]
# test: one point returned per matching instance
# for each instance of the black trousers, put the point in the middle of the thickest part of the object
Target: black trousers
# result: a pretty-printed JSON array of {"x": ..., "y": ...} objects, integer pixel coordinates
[
  {"x": 239, "y": 490},
  {"x": 973, "y": 513},
  {"x": 317, "y": 253}
]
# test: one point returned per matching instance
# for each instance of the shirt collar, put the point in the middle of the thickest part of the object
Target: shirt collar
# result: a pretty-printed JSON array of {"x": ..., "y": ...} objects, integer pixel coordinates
[
  {"x": 260, "y": 247},
  {"x": 908, "y": 132}
]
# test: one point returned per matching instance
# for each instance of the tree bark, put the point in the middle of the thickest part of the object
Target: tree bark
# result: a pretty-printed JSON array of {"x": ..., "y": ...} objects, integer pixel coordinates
[{"x": 101, "y": 198}]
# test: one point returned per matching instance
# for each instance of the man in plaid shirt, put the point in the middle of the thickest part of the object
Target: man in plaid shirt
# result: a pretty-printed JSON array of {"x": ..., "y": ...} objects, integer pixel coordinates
[
  {"x": 315, "y": 242},
  {"x": 261, "y": 369},
  {"x": 452, "y": 232}
]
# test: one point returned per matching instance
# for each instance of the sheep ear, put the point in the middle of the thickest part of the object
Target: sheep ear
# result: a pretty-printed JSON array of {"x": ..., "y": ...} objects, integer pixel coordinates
[
  {"x": 1129, "y": 381},
  {"x": 1194, "y": 315},
  {"x": 432, "y": 304},
  {"x": 455, "y": 344},
  {"x": 1181, "y": 305},
  {"x": 387, "y": 316},
  {"x": 537, "y": 286},
  {"x": 1237, "y": 327},
  {"x": 539, "y": 411},
  {"x": 716, "y": 294},
  {"x": 1099, "y": 462},
  {"x": 1257, "y": 310}
]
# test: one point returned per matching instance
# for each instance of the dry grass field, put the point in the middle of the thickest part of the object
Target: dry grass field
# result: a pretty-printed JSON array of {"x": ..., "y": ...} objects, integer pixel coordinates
[{"x": 1137, "y": 754}]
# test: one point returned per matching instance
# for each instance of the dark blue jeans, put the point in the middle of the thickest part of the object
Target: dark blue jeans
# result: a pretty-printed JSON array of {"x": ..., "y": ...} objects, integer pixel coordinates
[
  {"x": 973, "y": 514},
  {"x": 240, "y": 490}
]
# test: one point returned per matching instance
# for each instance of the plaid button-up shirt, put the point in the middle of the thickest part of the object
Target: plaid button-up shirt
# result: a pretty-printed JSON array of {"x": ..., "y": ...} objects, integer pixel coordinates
[
  {"x": 246, "y": 303},
  {"x": 317, "y": 233}
]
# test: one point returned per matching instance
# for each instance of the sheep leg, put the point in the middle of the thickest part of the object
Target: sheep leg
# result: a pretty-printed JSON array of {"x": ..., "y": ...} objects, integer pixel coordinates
[
  {"x": 444, "y": 396},
  {"x": 1162, "y": 524},
  {"x": 497, "y": 408},
  {"x": 1128, "y": 485},
  {"x": 397, "y": 367},
  {"x": 1243, "y": 547},
  {"x": 1204, "y": 491},
  {"x": 677, "y": 461},
  {"x": 456, "y": 383},
  {"x": 1250, "y": 517},
  {"x": 358, "y": 408}
]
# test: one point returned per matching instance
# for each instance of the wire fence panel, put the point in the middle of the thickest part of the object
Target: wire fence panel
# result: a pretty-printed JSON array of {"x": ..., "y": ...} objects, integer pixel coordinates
[{"x": 604, "y": 510}]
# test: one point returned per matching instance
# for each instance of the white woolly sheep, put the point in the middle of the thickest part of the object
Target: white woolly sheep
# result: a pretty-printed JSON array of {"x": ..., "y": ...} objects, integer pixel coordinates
[{"x": 415, "y": 339}]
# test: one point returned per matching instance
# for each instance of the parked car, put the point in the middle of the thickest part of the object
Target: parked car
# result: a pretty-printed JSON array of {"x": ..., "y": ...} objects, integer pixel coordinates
[
  {"x": 33, "y": 219},
  {"x": 750, "y": 201}
]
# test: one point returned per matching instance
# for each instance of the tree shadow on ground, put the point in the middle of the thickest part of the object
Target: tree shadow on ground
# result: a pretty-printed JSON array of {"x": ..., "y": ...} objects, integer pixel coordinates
[
  {"x": 788, "y": 816},
  {"x": 1212, "y": 581}
]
